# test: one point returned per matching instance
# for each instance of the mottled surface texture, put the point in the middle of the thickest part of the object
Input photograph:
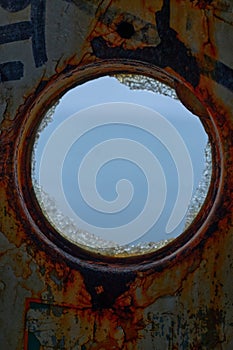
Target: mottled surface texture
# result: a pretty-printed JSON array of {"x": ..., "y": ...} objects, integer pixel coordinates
[{"x": 55, "y": 296}]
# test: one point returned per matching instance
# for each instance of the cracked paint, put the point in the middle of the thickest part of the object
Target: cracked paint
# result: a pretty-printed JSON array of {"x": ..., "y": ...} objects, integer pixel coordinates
[{"x": 57, "y": 296}]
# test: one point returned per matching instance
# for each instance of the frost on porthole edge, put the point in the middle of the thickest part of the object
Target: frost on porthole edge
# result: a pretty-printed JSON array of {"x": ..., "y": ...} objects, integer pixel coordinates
[
  {"x": 139, "y": 82},
  {"x": 46, "y": 120},
  {"x": 67, "y": 227},
  {"x": 69, "y": 230},
  {"x": 202, "y": 188}
]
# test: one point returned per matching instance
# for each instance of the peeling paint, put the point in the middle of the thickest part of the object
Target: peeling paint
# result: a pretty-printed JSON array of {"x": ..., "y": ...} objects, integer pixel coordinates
[{"x": 56, "y": 296}]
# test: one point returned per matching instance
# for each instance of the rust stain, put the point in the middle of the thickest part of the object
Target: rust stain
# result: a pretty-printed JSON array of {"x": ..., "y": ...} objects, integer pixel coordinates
[
  {"x": 180, "y": 297},
  {"x": 202, "y": 4}
]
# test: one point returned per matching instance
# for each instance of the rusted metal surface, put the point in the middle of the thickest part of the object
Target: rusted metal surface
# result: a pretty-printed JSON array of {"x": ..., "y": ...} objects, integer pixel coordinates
[{"x": 55, "y": 296}]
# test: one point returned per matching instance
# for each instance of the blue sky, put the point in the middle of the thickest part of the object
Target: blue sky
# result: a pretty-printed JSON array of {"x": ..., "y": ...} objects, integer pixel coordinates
[{"x": 105, "y": 90}]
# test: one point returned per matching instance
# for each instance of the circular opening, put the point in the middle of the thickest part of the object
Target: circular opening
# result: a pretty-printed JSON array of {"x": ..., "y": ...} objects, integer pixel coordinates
[
  {"x": 120, "y": 166},
  {"x": 125, "y": 30}
]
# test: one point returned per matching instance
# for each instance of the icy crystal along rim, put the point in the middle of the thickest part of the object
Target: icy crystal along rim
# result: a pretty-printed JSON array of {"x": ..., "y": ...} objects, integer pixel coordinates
[{"x": 83, "y": 238}]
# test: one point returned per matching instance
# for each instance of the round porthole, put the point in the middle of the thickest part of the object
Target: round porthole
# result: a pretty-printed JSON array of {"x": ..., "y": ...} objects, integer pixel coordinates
[{"x": 119, "y": 166}]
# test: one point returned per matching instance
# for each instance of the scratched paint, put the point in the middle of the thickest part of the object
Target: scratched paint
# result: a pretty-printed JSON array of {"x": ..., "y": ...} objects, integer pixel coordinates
[{"x": 178, "y": 298}]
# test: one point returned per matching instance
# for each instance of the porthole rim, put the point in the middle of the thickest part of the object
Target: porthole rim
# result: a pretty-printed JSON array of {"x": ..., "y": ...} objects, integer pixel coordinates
[{"x": 73, "y": 77}]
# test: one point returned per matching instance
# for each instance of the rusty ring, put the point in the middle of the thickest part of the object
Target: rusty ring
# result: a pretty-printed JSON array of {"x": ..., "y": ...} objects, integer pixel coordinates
[{"x": 41, "y": 230}]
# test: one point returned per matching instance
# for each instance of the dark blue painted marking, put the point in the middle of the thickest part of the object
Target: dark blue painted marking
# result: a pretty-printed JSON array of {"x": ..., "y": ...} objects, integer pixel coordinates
[
  {"x": 35, "y": 29},
  {"x": 223, "y": 75},
  {"x": 171, "y": 52},
  {"x": 14, "y": 5},
  {"x": 15, "y": 32},
  {"x": 38, "y": 36},
  {"x": 11, "y": 71}
]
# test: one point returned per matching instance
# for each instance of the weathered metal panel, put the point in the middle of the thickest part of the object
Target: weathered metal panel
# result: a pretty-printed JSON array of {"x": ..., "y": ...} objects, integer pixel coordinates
[{"x": 54, "y": 297}]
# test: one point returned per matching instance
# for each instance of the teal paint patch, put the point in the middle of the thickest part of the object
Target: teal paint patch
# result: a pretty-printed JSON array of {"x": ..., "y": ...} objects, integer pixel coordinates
[{"x": 53, "y": 326}]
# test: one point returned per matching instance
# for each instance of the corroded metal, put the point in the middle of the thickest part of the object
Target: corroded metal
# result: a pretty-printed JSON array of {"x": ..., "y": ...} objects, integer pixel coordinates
[{"x": 55, "y": 295}]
